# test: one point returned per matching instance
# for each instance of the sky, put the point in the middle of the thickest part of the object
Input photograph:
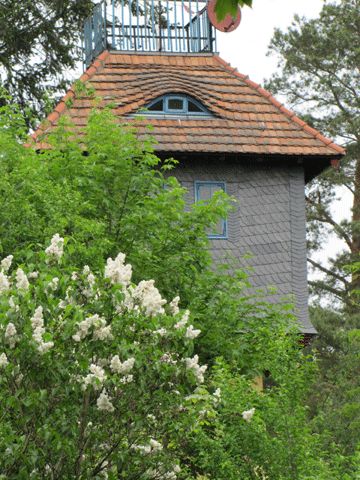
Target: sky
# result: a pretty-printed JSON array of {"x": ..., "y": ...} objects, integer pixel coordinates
[{"x": 246, "y": 49}]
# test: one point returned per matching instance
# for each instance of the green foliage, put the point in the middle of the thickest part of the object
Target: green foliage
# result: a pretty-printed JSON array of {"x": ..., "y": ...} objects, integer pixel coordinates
[
  {"x": 39, "y": 40},
  {"x": 105, "y": 191},
  {"x": 335, "y": 401},
  {"x": 225, "y": 7}
]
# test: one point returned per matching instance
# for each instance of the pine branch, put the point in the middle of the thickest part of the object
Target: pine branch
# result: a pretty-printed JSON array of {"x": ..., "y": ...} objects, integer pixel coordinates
[
  {"x": 329, "y": 272},
  {"x": 326, "y": 218}
]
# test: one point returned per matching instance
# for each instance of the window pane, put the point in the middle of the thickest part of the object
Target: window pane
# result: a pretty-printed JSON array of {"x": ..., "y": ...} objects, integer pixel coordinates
[
  {"x": 175, "y": 104},
  {"x": 193, "y": 107},
  {"x": 157, "y": 106},
  {"x": 204, "y": 191}
]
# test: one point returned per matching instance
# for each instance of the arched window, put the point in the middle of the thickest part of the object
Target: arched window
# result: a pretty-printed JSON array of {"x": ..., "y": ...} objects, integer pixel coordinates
[{"x": 176, "y": 104}]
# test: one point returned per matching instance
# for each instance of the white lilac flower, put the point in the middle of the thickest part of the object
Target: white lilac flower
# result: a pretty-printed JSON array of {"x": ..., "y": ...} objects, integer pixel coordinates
[
  {"x": 10, "y": 335},
  {"x": 193, "y": 364},
  {"x": 104, "y": 403},
  {"x": 117, "y": 271},
  {"x": 37, "y": 323},
  {"x": 4, "y": 283},
  {"x": 91, "y": 279},
  {"x": 149, "y": 298},
  {"x": 53, "y": 284},
  {"x": 217, "y": 394},
  {"x": 183, "y": 321},
  {"x": 191, "y": 333},
  {"x": 174, "y": 305},
  {"x": 33, "y": 274},
  {"x": 22, "y": 282},
  {"x": 152, "y": 447},
  {"x": 155, "y": 445},
  {"x": 160, "y": 472},
  {"x": 56, "y": 248},
  {"x": 167, "y": 358},
  {"x": 96, "y": 378},
  {"x": 6, "y": 263},
  {"x": 3, "y": 360},
  {"x": 125, "y": 367},
  {"x": 102, "y": 331},
  {"x": 127, "y": 379},
  {"x": 161, "y": 331},
  {"x": 248, "y": 414},
  {"x": 74, "y": 276}
]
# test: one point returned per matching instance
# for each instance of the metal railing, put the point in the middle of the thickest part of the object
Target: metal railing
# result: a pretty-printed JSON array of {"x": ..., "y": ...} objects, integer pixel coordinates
[{"x": 175, "y": 26}]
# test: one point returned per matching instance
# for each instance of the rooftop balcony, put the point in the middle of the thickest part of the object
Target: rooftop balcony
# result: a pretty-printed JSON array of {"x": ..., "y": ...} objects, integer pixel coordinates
[{"x": 174, "y": 26}]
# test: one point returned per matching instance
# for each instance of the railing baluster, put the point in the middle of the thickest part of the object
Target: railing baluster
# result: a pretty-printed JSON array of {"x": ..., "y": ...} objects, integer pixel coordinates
[
  {"x": 145, "y": 23},
  {"x": 183, "y": 47},
  {"x": 168, "y": 26},
  {"x": 153, "y": 32},
  {"x": 175, "y": 26},
  {"x": 113, "y": 24},
  {"x": 137, "y": 23}
]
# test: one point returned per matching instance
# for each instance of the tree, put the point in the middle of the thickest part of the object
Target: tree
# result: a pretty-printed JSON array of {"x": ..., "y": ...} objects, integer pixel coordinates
[
  {"x": 39, "y": 42},
  {"x": 320, "y": 76}
]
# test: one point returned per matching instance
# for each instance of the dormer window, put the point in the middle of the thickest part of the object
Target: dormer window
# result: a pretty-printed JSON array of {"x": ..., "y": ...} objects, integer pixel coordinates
[{"x": 176, "y": 105}]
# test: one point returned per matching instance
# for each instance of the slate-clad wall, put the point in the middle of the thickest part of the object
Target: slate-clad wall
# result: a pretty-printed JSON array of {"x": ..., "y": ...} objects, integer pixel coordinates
[{"x": 268, "y": 223}]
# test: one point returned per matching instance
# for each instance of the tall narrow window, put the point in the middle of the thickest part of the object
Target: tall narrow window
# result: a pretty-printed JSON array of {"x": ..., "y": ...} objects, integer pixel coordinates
[{"x": 204, "y": 192}]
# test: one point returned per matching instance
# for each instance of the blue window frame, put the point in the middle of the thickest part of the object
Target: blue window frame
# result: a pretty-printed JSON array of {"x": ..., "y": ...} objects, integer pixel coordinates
[
  {"x": 176, "y": 104},
  {"x": 204, "y": 190}
]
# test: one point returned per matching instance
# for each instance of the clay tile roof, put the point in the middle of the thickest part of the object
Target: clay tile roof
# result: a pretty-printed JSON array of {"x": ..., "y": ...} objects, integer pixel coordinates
[{"x": 246, "y": 118}]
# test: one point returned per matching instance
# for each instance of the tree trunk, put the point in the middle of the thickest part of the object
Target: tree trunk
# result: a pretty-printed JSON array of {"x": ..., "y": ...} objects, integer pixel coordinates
[{"x": 355, "y": 246}]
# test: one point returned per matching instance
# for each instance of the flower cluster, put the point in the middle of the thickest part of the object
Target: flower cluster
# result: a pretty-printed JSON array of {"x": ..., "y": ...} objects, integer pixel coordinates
[
  {"x": 160, "y": 473},
  {"x": 183, "y": 321},
  {"x": 95, "y": 378},
  {"x": 193, "y": 364},
  {"x": 191, "y": 333},
  {"x": 101, "y": 330},
  {"x": 148, "y": 297},
  {"x": 5, "y": 263},
  {"x": 22, "y": 282},
  {"x": 124, "y": 368},
  {"x": 117, "y": 271},
  {"x": 88, "y": 291},
  {"x": 37, "y": 323},
  {"x": 4, "y": 283},
  {"x": 3, "y": 360},
  {"x": 174, "y": 306},
  {"x": 248, "y": 414},
  {"x": 11, "y": 337},
  {"x": 56, "y": 248},
  {"x": 152, "y": 447},
  {"x": 103, "y": 402}
]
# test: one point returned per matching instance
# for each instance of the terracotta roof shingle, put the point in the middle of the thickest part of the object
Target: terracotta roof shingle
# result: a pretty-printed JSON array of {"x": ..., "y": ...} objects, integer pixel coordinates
[{"x": 246, "y": 118}]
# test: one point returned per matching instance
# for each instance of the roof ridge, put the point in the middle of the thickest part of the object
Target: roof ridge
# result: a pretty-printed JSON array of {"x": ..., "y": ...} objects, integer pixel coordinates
[
  {"x": 290, "y": 114},
  {"x": 95, "y": 66}
]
